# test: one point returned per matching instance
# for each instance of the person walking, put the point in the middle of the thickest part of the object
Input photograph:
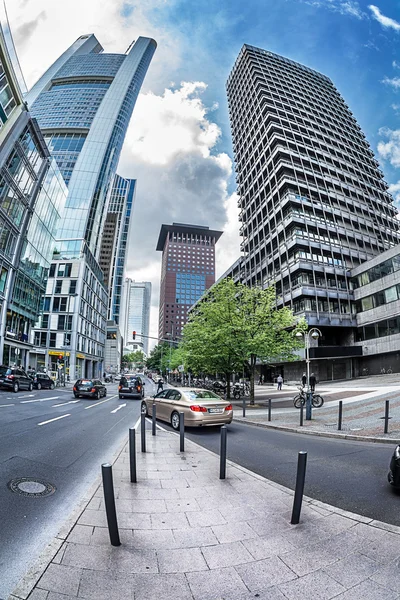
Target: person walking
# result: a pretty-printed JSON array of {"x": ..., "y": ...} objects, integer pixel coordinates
[
  {"x": 304, "y": 380},
  {"x": 279, "y": 381},
  {"x": 160, "y": 385},
  {"x": 260, "y": 380},
  {"x": 313, "y": 381}
]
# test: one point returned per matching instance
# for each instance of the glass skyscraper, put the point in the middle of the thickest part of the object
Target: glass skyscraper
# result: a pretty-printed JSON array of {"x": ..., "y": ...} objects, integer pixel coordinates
[
  {"x": 137, "y": 302},
  {"x": 83, "y": 104},
  {"x": 313, "y": 200}
]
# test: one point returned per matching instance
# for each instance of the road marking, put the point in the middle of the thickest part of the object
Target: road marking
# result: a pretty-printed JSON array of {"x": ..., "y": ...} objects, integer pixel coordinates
[
  {"x": 40, "y": 400},
  {"x": 102, "y": 402},
  {"x": 117, "y": 409},
  {"x": 27, "y": 396},
  {"x": 2, "y": 405},
  {"x": 150, "y": 420},
  {"x": 64, "y": 403},
  {"x": 56, "y": 419}
]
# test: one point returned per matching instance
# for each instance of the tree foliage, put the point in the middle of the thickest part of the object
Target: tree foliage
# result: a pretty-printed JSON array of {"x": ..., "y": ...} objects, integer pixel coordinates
[
  {"x": 234, "y": 326},
  {"x": 135, "y": 358}
]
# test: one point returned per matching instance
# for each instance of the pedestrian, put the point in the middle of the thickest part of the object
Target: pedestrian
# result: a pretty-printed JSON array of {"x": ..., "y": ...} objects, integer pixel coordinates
[
  {"x": 160, "y": 385},
  {"x": 313, "y": 381},
  {"x": 260, "y": 380},
  {"x": 304, "y": 380},
  {"x": 279, "y": 381}
]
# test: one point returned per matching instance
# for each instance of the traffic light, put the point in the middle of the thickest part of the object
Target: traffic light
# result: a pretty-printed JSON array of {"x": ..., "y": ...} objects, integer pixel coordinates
[
  {"x": 133, "y": 335},
  {"x": 60, "y": 357}
]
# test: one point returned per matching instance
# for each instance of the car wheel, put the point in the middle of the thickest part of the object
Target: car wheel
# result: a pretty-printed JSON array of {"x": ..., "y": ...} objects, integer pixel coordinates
[
  {"x": 143, "y": 409},
  {"x": 97, "y": 395},
  {"x": 52, "y": 386},
  {"x": 39, "y": 386},
  {"x": 76, "y": 395},
  {"x": 30, "y": 388},
  {"x": 15, "y": 387},
  {"x": 105, "y": 393},
  {"x": 175, "y": 421}
]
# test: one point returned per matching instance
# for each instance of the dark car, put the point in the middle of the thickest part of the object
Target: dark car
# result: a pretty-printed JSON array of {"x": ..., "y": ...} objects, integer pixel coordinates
[
  {"x": 394, "y": 472},
  {"x": 89, "y": 388},
  {"x": 42, "y": 380},
  {"x": 15, "y": 378},
  {"x": 132, "y": 385}
]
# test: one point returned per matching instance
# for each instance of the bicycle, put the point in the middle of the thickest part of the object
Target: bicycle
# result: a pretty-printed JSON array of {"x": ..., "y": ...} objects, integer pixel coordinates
[
  {"x": 364, "y": 371},
  {"x": 300, "y": 399},
  {"x": 388, "y": 371}
]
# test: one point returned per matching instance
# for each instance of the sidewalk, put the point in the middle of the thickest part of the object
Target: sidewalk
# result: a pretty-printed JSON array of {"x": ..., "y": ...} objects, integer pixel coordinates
[
  {"x": 363, "y": 409},
  {"x": 187, "y": 535}
]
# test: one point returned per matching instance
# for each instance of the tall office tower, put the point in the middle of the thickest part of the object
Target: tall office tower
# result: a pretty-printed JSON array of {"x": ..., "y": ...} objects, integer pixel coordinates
[
  {"x": 187, "y": 270},
  {"x": 137, "y": 302},
  {"x": 313, "y": 200},
  {"x": 83, "y": 104},
  {"x": 32, "y": 194}
]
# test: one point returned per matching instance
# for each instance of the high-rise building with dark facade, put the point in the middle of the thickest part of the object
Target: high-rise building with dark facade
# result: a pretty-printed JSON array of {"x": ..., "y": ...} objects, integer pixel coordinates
[
  {"x": 187, "y": 270},
  {"x": 313, "y": 200},
  {"x": 83, "y": 104},
  {"x": 32, "y": 195}
]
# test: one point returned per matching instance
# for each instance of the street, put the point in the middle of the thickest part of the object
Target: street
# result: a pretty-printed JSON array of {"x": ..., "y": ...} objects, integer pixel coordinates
[{"x": 50, "y": 436}]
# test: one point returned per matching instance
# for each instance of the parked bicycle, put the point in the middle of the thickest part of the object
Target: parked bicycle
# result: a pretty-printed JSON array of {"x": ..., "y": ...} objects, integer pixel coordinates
[
  {"x": 364, "y": 371},
  {"x": 387, "y": 371},
  {"x": 240, "y": 390},
  {"x": 300, "y": 399}
]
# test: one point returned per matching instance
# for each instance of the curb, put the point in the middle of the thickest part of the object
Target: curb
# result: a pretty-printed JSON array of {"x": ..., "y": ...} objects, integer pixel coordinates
[{"x": 327, "y": 434}]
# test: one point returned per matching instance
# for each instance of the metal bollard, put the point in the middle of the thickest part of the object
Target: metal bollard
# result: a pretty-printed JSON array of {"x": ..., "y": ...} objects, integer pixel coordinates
[
  {"x": 269, "y": 408},
  {"x": 309, "y": 406},
  {"x": 298, "y": 493},
  {"x": 109, "y": 499},
  {"x": 182, "y": 432},
  {"x": 153, "y": 419},
  {"x": 132, "y": 453},
  {"x": 301, "y": 415},
  {"x": 340, "y": 415},
  {"x": 386, "y": 416},
  {"x": 143, "y": 431},
  {"x": 244, "y": 406},
  {"x": 222, "y": 454}
]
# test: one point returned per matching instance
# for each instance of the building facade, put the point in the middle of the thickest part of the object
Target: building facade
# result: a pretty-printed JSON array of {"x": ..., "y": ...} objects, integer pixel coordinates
[
  {"x": 83, "y": 104},
  {"x": 313, "y": 201},
  {"x": 187, "y": 270},
  {"x": 137, "y": 303},
  {"x": 32, "y": 195}
]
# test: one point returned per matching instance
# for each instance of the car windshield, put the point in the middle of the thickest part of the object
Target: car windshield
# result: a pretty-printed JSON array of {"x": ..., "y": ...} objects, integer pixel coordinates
[
  {"x": 205, "y": 394},
  {"x": 86, "y": 382}
]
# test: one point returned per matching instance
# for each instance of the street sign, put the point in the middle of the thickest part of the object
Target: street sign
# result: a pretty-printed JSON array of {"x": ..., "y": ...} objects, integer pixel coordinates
[{"x": 181, "y": 368}]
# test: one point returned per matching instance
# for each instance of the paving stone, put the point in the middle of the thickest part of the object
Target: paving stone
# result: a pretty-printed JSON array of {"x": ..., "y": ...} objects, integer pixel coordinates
[
  {"x": 305, "y": 534},
  {"x": 264, "y": 547},
  {"x": 95, "y": 503},
  {"x": 306, "y": 560},
  {"x": 160, "y": 539},
  {"x": 384, "y": 550},
  {"x": 161, "y": 587},
  {"x": 81, "y": 534},
  {"x": 193, "y": 493},
  {"x": 94, "y": 557},
  {"x": 181, "y": 560},
  {"x": 133, "y": 560},
  {"x": 226, "y": 555},
  {"x": 388, "y": 576},
  {"x": 182, "y": 505},
  {"x": 368, "y": 590},
  {"x": 194, "y": 537},
  {"x": 96, "y": 518},
  {"x": 134, "y": 521},
  {"x": 101, "y": 537},
  {"x": 343, "y": 544},
  {"x": 217, "y": 584},
  {"x": 263, "y": 574},
  {"x": 317, "y": 585},
  {"x": 234, "y": 532},
  {"x": 271, "y": 525},
  {"x": 59, "y": 556},
  {"x": 55, "y": 596},
  {"x": 169, "y": 521},
  {"x": 205, "y": 518},
  {"x": 39, "y": 595},
  {"x": 61, "y": 578},
  {"x": 352, "y": 569},
  {"x": 97, "y": 585},
  {"x": 176, "y": 483}
]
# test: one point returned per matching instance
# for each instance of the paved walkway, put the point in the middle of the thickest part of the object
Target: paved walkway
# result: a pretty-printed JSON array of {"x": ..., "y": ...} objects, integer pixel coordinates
[{"x": 187, "y": 535}]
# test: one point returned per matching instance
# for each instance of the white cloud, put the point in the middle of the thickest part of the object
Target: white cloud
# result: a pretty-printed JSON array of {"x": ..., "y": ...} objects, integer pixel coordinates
[
  {"x": 390, "y": 150},
  {"x": 343, "y": 7},
  {"x": 394, "y": 189},
  {"x": 395, "y": 64},
  {"x": 384, "y": 21},
  {"x": 395, "y": 82}
]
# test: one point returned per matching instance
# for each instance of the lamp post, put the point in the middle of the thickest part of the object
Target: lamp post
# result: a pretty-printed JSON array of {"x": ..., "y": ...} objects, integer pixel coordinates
[{"x": 314, "y": 333}]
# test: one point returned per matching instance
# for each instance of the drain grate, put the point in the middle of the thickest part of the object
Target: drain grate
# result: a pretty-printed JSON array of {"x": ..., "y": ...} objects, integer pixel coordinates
[{"x": 26, "y": 486}]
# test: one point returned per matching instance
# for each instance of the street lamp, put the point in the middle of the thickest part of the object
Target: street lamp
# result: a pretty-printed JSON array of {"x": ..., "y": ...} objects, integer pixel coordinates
[{"x": 314, "y": 333}]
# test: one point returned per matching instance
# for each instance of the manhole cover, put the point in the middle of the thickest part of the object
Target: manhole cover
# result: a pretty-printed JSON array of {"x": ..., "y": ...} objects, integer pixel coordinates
[{"x": 31, "y": 487}]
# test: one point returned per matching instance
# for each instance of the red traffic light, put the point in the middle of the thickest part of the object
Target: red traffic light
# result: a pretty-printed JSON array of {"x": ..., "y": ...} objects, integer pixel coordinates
[
  {"x": 60, "y": 357},
  {"x": 133, "y": 335}
]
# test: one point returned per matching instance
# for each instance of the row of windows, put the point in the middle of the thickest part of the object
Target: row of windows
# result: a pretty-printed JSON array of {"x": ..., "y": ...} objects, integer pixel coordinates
[
  {"x": 379, "y": 299},
  {"x": 379, "y": 329},
  {"x": 385, "y": 268}
]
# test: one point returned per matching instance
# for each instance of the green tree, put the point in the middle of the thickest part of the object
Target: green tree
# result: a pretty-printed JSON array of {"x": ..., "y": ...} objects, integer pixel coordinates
[
  {"x": 234, "y": 326},
  {"x": 134, "y": 359},
  {"x": 158, "y": 357}
]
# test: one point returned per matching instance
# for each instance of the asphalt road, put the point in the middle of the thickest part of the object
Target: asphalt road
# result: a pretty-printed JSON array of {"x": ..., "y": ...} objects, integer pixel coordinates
[
  {"x": 49, "y": 435},
  {"x": 349, "y": 475}
]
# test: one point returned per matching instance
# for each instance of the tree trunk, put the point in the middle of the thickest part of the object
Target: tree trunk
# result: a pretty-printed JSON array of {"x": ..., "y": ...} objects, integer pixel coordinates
[
  {"x": 228, "y": 385},
  {"x": 253, "y": 359}
]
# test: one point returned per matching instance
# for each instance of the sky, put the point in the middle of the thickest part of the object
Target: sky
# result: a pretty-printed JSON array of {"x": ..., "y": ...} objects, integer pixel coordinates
[{"x": 178, "y": 145}]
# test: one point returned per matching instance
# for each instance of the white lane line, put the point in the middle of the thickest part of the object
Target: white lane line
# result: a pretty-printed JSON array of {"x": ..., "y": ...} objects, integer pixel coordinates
[
  {"x": 64, "y": 403},
  {"x": 56, "y": 419},
  {"x": 150, "y": 420},
  {"x": 27, "y": 396},
  {"x": 136, "y": 425},
  {"x": 117, "y": 409},
  {"x": 40, "y": 400},
  {"x": 3, "y": 405},
  {"x": 102, "y": 402}
]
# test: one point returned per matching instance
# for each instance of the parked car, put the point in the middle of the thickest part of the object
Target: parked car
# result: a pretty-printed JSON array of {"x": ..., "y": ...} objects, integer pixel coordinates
[
  {"x": 200, "y": 407},
  {"x": 89, "y": 388},
  {"x": 42, "y": 380},
  {"x": 131, "y": 385},
  {"x": 394, "y": 468},
  {"x": 15, "y": 378}
]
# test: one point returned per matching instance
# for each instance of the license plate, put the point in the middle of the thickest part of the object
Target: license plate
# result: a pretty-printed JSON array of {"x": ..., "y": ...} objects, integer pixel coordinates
[
  {"x": 1, "y": 380},
  {"x": 216, "y": 410}
]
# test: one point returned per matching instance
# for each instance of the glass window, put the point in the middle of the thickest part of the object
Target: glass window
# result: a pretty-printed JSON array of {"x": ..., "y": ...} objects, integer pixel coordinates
[
  {"x": 52, "y": 270},
  {"x": 370, "y": 332},
  {"x": 391, "y": 294},
  {"x": 3, "y": 279},
  {"x": 58, "y": 286},
  {"x": 46, "y": 304},
  {"x": 72, "y": 286},
  {"x": 53, "y": 340},
  {"x": 367, "y": 303},
  {"x": 382, "y": 328},
  {"x": 393, "y": 326}
]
